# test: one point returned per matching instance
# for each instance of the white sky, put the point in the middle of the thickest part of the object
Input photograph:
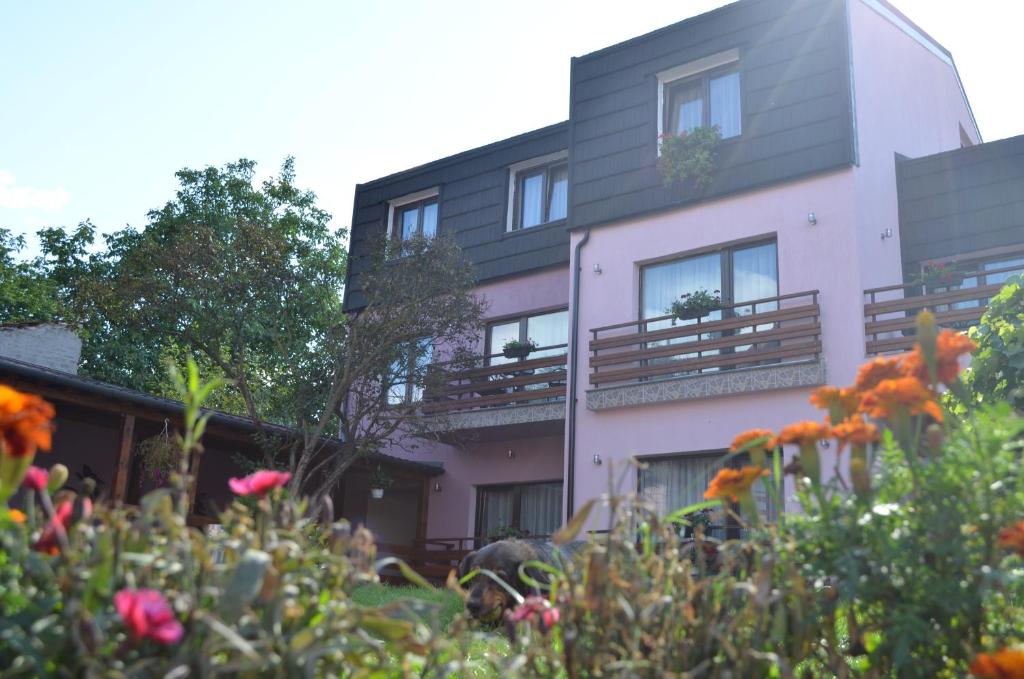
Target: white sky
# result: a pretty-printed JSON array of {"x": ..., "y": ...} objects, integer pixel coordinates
[{"x": 100, "y": 103}]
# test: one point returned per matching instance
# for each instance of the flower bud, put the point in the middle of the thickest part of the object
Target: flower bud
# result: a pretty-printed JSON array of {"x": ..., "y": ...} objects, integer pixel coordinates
[{"x": 58, "y": 477}]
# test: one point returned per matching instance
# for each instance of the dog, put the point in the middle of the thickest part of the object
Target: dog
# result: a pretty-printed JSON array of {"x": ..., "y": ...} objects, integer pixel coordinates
[{"x": 488, "y": 600}]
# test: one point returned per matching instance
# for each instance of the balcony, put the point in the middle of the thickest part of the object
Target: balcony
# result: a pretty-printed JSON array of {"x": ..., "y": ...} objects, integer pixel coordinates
[
  {"x": 890, "y": 311},
  {"x": 771, "y": 343},
  {"x": 495, "y": 393}
]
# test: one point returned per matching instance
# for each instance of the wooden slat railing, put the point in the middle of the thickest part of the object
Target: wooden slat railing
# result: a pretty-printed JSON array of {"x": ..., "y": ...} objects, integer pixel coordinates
[
  {"x": 757, "y": 332},
  {"x": 487, "y": 384},
  {"x": 890, "y": 311}
]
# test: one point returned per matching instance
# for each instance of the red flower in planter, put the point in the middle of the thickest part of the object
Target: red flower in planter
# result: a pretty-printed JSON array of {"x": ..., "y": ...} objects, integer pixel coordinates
[
  {"x": 36, "y": 478},
  {"x": 62, "y": 519},
  {"x": 259, "y": 483},
  {"x": 148, "y": 615}
]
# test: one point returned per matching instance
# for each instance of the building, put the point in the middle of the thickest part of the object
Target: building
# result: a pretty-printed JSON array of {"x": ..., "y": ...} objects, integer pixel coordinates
[{"x": 849, "y": 159}]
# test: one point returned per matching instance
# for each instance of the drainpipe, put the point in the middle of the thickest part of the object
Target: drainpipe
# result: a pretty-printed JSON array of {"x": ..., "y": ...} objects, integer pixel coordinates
[{"x": 570, "y": 491}]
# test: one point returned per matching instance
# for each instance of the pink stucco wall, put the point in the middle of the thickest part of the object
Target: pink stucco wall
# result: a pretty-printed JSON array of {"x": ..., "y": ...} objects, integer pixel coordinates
[{"x": 452, "y": 511}]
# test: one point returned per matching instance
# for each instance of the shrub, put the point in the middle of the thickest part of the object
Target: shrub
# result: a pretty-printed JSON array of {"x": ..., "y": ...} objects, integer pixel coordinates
[
  {"x": 997, "y": 370},
  {"x": 691, "y": 156}
]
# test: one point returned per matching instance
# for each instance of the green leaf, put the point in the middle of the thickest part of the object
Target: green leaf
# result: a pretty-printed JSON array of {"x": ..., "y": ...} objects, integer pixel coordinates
[
  {"x": 406, "y": 570},
  {"x": 679, "y": 515},
  {"x": 573, "y": 526},
  {"x": 245, "y": 584}
]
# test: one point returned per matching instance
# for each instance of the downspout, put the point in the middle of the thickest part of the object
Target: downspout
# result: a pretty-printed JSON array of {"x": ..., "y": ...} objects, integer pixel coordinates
[{"x": 570, "y": 491}]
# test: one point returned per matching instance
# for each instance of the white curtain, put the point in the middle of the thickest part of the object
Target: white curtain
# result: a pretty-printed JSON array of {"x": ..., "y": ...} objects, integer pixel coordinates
[
  {"x": 557, "y": 199},
  {"x": 547, "y": 330},
  {"x": 496, "y": 511},
  {"x": 429, "y": 220},
  {"x": 540, "y": 511},
  {"x": 676, "y": 482},
  {"x": 665, "y": 283},
  {"x": 687, "y": 107},
  {"x": 409, "y": 218},
  {"x": 531, "y": 205},
  {"x": 501, "y": 333},
  {"x": 725, "y": 104}
]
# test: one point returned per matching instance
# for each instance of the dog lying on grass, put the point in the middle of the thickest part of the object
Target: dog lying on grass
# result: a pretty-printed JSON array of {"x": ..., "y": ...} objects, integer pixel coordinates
[{"x": 488, "y": 600}]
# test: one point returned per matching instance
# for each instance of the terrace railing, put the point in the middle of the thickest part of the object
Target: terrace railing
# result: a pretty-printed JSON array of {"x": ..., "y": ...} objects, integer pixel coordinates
[
  {"x": 492, "y": 381},
  {"x": 766, "y": 331},
  {"x": 890, "y": 311}
]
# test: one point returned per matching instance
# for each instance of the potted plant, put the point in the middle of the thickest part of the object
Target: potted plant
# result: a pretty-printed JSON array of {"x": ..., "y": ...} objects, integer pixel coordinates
[
  {"x": 158, "y": 457},
  {"x": 690, "y": 156},
  {"x": 941, "y": 274},
  {"x": 696, "y": 304},
  {"x": 379, "y": 481},
  {"x": 506, "y": 533},
  {"x": 517, "y": 349}
]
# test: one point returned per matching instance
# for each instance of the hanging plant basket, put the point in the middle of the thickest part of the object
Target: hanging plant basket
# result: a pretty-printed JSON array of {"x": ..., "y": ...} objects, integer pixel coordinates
[
  {"x": 158, "y": 458},
  {"x": 695, "y": 305},
  {"x": 377, "y": 493},
  {"x": 517, "y": 349},
  {"x": 379, "y": 481}
]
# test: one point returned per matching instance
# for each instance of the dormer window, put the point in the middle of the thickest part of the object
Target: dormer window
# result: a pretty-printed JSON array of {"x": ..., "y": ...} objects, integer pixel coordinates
[
  {"x": 538, "y": 191},
  {"x": 702, "y": 93},
  {"x": 413, "y": 215}
]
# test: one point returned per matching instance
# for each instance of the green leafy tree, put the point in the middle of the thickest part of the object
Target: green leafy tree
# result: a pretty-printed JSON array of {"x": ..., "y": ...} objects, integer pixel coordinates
[
  {"x": 25, "y": 295},
  {"x": 997, "y": 369}
]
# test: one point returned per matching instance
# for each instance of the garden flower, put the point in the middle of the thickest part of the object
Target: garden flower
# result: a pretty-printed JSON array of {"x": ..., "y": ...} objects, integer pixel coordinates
[
  {"x": 1012, "y": 537},
  {"x": 803, "y": 433},
  {"x": 949, "y": 347},
  {"x": 875, "y": 371},
  {"x": 36, "y": 478},
  {"x": 1005, "y": 664},
  {"x": 60, "y": 523},
  {"x": 730, "y": 484},
  {"x": 24, "y": 423},
  {"x": 148, "y": 615},
  {"x": 840, "y": 403},
  {"x": 259, "y": 483},
  {"x": 904, "y": 395},
  {"x": 16, "y": 515},
  {"x": 854, "y": 430},
  {"x": 536, "y": 609},
  {"x": 742, "y": 442}
]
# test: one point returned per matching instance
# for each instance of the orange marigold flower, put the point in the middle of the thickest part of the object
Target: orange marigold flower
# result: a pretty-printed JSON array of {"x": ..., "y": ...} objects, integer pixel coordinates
[
  {"x": 874, "y": 371},
  {"x": 844, "y": 400},
  {"x": 903, "y": 394},
  {"x": 949, "y": 347},
  {"x": 1005, "y": 664},
  {"x": 854, "y": 430},
  {"x": 1012, "y": 537},
  {"x": 804, "y": 433},
  {"x": 740, "y": 442},
  {"x": 16, "y": 515},
  {"x": 731, "y": 483},
  {"x": 24, "y": 423}
]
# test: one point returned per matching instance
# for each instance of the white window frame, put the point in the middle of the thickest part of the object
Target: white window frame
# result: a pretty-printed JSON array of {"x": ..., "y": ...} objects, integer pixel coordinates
[
  {"x": 518, "y": 168},
  {"x": 688, "y": 70},
  {"x": 396, "y": 203}
]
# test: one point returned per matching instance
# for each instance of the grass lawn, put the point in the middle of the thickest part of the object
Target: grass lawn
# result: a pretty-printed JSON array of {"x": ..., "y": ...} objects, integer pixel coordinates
[{"x": 382, "y": 595}]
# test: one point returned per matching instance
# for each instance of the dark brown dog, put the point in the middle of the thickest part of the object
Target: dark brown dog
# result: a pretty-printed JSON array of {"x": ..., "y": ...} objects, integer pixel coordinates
[{"x": 488, "y": 599}]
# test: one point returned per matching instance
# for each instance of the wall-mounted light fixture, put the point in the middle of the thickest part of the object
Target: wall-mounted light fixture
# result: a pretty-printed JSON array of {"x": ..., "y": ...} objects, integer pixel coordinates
[
  {"x": 510, "y": 454},
  {"x": 597, "y": 269},
  {"x": 812, "y": 218},
  {"x": 597, "y": 460},
  {"x": 887, "y": 233},
  {"x": 437, "y": 486}
]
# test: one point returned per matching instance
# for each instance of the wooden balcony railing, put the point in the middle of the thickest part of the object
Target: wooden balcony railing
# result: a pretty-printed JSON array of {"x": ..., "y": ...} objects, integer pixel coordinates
[
  {"x": 890, "y": 311},
  {"x": 490, "y": 384},
  {"x": 759, "y": 332}
]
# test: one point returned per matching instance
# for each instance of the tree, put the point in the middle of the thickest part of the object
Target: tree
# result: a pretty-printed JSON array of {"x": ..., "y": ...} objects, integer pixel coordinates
[
  {"x": 25, "y": 293},
  {"x": 997, "y": 368}
]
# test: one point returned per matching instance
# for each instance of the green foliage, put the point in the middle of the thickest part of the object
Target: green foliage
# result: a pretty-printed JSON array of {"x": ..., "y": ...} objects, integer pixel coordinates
[
  {"x": 690, "y": 156},
  {"x": 695, "y": 304},
  {"x": 997, "y": 368},
  {"x": 24, "y": 295}
]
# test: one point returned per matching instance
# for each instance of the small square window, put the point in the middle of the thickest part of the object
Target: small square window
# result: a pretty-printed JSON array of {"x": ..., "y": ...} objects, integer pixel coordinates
[
  {"x": 413, "y": 215},
  {"x": 539, "y": 192}
]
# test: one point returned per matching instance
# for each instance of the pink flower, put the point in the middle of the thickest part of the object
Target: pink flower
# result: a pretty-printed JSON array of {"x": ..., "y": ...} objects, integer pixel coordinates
[
  {"x": 536, "y": 609},
  {"x": 148, "y": 615},
  {"x": 36, "y": 478},
  {"x": 259, "y": 483},
  {"x": 63, "y": 516}
]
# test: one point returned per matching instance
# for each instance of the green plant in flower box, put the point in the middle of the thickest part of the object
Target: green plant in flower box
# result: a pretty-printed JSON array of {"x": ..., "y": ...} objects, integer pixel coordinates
[{"x": 690, "y": 156}]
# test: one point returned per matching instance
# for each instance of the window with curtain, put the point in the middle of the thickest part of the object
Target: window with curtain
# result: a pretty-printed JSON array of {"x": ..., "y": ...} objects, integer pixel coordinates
[
  {"x": 983, "y": 278},
  {"x": 533, "y": 508},
  {"x": 547, "y": 329},
  {"x": 672, "y": 482},
  {"x": 418, "y": 218},
  {"x": 740, "y": 273},
  {"x": 540, "y": 194},
  {"x": 710, "y": 98},
  {"x": 408, "y": 372}
]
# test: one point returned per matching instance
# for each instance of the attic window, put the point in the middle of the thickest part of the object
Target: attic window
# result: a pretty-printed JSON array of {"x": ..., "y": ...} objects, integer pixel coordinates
[
  {"x": 538, "y": 190},
  {"x": 701, "y": 93},
  {"x": 413, "y": 215}
]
